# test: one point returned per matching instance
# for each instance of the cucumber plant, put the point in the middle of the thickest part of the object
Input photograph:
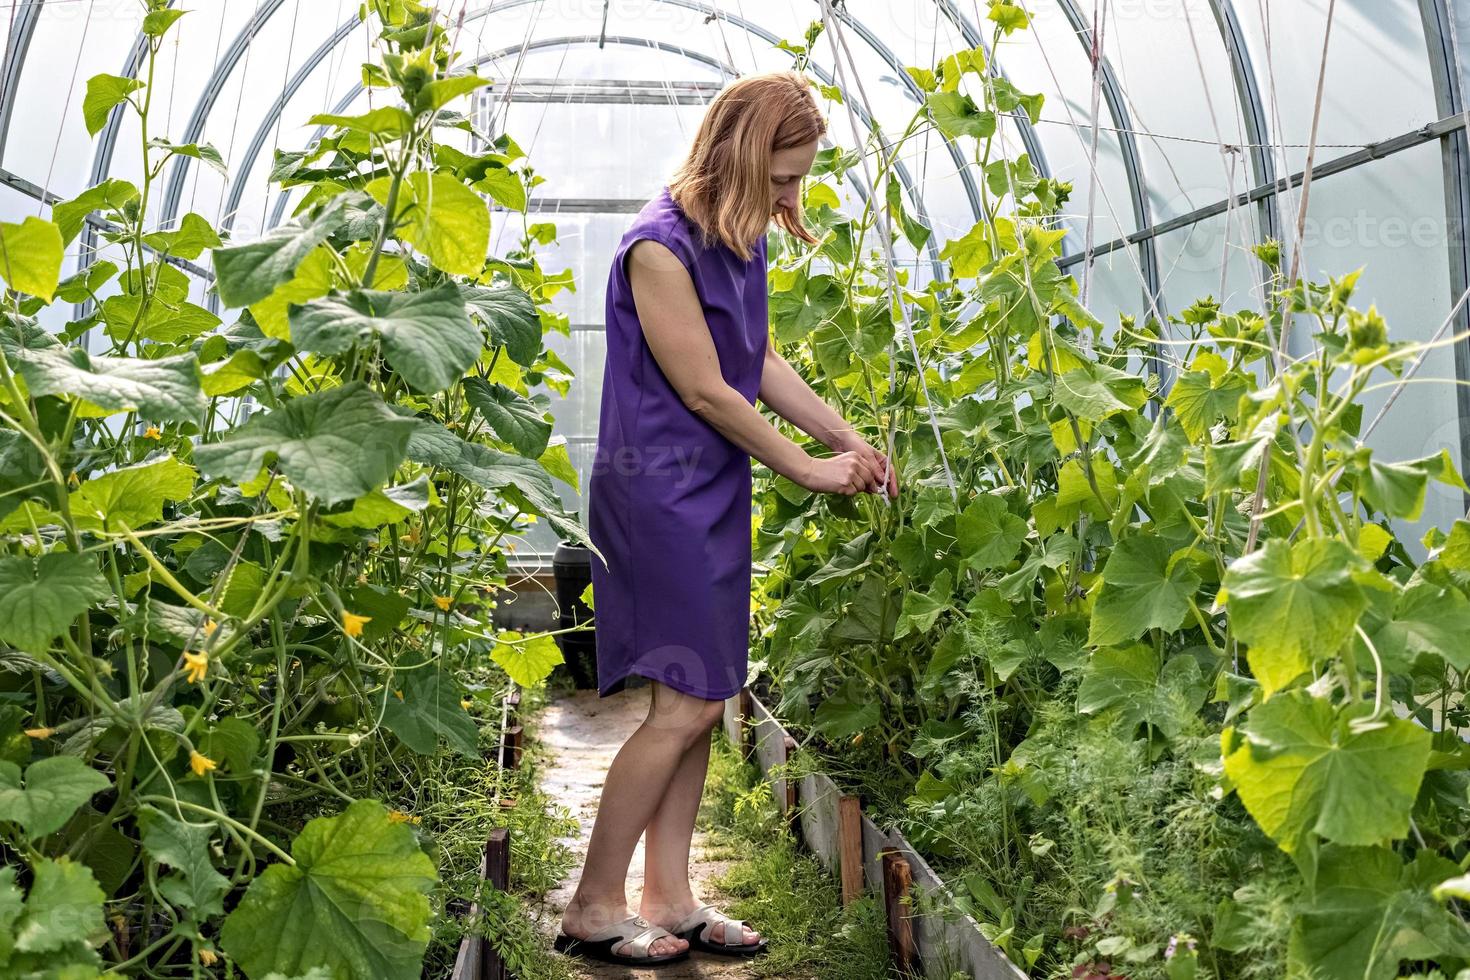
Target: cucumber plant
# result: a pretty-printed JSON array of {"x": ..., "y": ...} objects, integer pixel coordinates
[
  {"x": 247, "y": 567},
  {"x": 1205, "y": 573}
]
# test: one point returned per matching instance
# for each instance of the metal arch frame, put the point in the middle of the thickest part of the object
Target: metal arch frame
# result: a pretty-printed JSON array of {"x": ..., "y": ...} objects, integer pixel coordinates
[
  {"x": 1253, "y": 109},
  {"x": 237, "y": 185},
  {"x": 237, "y": 188},
  {"x": 174, "y": 191},
  {"x": 222, "y": 70},
  {"x": 17, "y": 46},
  {"x": 1449, "y": 98},
  {"x": 1132, "y": 161}
]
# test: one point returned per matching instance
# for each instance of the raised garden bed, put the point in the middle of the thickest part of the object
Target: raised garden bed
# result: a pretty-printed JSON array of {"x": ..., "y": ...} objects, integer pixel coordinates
[{"x": 925, "y": 929}]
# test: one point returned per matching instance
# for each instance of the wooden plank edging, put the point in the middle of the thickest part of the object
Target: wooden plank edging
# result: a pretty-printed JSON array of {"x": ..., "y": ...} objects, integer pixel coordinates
[{"x": 952, "y": 938}]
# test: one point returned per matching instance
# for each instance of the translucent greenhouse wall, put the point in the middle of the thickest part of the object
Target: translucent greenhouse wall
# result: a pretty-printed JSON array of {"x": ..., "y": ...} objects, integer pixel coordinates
[{"x": 1205, "y": 117}]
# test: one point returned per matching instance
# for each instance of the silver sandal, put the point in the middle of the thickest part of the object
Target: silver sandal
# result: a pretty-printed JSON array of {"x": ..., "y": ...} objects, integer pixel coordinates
[
  {"x": 635, "y": 931},
  {"x": 698, "y": 925}
]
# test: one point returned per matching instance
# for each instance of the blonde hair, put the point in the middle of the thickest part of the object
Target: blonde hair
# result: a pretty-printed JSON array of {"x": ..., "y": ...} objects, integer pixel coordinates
[{"x": 724, "y": 183}]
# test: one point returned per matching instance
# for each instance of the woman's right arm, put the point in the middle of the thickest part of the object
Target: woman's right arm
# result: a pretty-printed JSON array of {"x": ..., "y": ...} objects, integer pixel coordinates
[{"x": 679, "y": 338}]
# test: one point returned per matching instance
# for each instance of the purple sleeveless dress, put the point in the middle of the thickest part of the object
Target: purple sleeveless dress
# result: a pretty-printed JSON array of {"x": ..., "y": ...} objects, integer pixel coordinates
[{"x": 669, "y": 497}]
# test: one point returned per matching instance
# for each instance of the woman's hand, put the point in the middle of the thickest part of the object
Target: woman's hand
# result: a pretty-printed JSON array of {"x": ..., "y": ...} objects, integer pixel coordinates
[{"x": 858, "y": 469}]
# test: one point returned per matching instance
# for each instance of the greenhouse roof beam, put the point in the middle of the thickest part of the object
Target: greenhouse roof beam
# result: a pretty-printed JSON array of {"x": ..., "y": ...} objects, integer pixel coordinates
[
  {"x": 237, "y": 189},
  {"x": 1444, "y": 66},
  {"x": 174, "y": 191},
  {"x": 609, "y": 91},
  {"x": 37, "y": 193},
  {"x": 1253, "y": 107},
  {"x": 17, "y": 45},
  {"x": 1132, "y": 160},
  {"x": 1373, "y": 151}
]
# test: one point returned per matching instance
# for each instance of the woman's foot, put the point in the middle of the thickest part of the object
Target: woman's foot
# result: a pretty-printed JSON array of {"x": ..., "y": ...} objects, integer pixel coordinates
[
  {"x": 672, "y": 913},
  {"x": 584, "y": 918}
]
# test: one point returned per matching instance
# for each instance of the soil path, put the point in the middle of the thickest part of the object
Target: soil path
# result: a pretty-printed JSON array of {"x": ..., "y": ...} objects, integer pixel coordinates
[{"x": 582, "y": 733}]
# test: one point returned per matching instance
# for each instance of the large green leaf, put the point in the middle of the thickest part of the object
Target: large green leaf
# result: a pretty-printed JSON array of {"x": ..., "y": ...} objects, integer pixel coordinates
[
  {"x": 956, "y": 114},
  {"x": 105, "y": 93},
  {"x": 1399, "y": 489},
  {"x": 1095, "y": 391},
  {"x": 167, "y": 321},
  {"x": 53, "y": 790},
  {"x": 249, "y": 273},
  {"x": 30, "y": 256},
  {"x": 528, "y": 662},
  {"x": 1293, "y": 604},
  {"x": 21, "y": 468},
  {"x": 335, "y": 444},
  {"x": 522, "y": 480},
  {"x": 1427, "y": 619},
  {"x": 1370, "y": 912},
  {"x": 109, "y": 195},
  {"x": 1130, "y": 680},
  {"x": 58, "y": 924},
  {"x": 510, "y": 315},
  {"x": 1206, "y": 393},
  {"x": 426, "y": 705},
  {"x": 1141, "y": 592},
  {"x": 355, "y": 902},
  {"x": 131, "y": 496},
  {"x": 513, "y": 418},
  {"x": 41, "y": 597},
  {"x": 194, "y": 884},
  {"x": 427, "y": 336},
  {"x": 162, "y": 389},
  {"x": 989, "y": 535},
  {"x": 188, "y": 240},
  {"x": 442, "y": 218},
  {"x": 1307, "y": 767}
]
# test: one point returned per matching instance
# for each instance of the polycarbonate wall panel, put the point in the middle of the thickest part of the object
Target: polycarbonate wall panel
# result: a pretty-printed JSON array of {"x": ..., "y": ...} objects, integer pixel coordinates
[
  {"x": 45, "y": 123},
  {"x": 1050, "y": 59},
  {"x": 1378, "y": 81},
  {"x": 1389, "y": 218},
  {"x": 1184, "y": 106},
  {"x": 1211, "y": 258},
  {"x": 583, "y": 150}
]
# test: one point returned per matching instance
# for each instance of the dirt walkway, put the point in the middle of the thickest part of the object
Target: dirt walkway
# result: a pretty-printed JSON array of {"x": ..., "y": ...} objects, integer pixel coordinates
[{"x": 582, "y": 733}]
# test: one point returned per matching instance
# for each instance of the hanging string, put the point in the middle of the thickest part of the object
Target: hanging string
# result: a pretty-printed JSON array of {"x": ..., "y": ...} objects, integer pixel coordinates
[
  {"x": 65, "y": 108},
  {"x": 229, "y": 219},
  {"x": 880, "y": 212},
  {"x": 1148, "y": 292},
  {"x": 285, "y": 80}
]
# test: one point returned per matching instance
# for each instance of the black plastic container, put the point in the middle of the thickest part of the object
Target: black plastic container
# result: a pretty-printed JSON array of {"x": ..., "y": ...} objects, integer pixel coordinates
[{"x": 572, "y": 566}]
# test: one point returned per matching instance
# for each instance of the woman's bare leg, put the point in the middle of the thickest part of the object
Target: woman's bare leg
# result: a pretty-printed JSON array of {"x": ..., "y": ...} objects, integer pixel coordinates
[
  {"x": 636, "y": 784},
  {"x": 667, "y": 896}
]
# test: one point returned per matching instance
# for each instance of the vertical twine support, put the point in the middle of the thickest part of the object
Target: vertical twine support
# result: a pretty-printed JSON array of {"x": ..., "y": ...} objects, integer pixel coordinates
[
  {"x": 496, "y": 871},
  {"x": 850, "y": 847},
  {"x": 897, "y": 883}
]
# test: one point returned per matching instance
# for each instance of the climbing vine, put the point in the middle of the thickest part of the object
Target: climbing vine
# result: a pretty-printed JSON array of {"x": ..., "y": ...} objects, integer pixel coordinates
[
  {"x": 247, "y": 566},
  {"x": 1156, "y": 680}
]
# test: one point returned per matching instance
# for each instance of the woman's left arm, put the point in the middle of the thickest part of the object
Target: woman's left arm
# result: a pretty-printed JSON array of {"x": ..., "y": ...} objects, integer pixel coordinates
[{"x": 785, "y": 393}]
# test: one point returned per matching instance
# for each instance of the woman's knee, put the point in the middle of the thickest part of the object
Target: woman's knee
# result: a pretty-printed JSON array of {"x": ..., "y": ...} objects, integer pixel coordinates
[{"x": 683, "y": 714}]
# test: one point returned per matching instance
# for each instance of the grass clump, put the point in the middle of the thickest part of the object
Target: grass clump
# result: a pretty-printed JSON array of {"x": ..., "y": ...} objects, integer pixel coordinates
[{"x": 780, "y": 890}]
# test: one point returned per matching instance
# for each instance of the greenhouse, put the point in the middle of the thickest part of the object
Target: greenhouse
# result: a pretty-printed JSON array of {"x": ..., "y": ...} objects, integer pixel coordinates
[{"x": 828, "y": 489}]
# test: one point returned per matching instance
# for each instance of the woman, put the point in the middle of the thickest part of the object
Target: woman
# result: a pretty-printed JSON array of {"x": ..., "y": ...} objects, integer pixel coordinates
[{"x": 670, "y": 498}]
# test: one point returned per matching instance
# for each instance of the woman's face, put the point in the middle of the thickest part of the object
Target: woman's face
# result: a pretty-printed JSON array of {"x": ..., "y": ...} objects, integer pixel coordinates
[{"x": 788, "y": 166}]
